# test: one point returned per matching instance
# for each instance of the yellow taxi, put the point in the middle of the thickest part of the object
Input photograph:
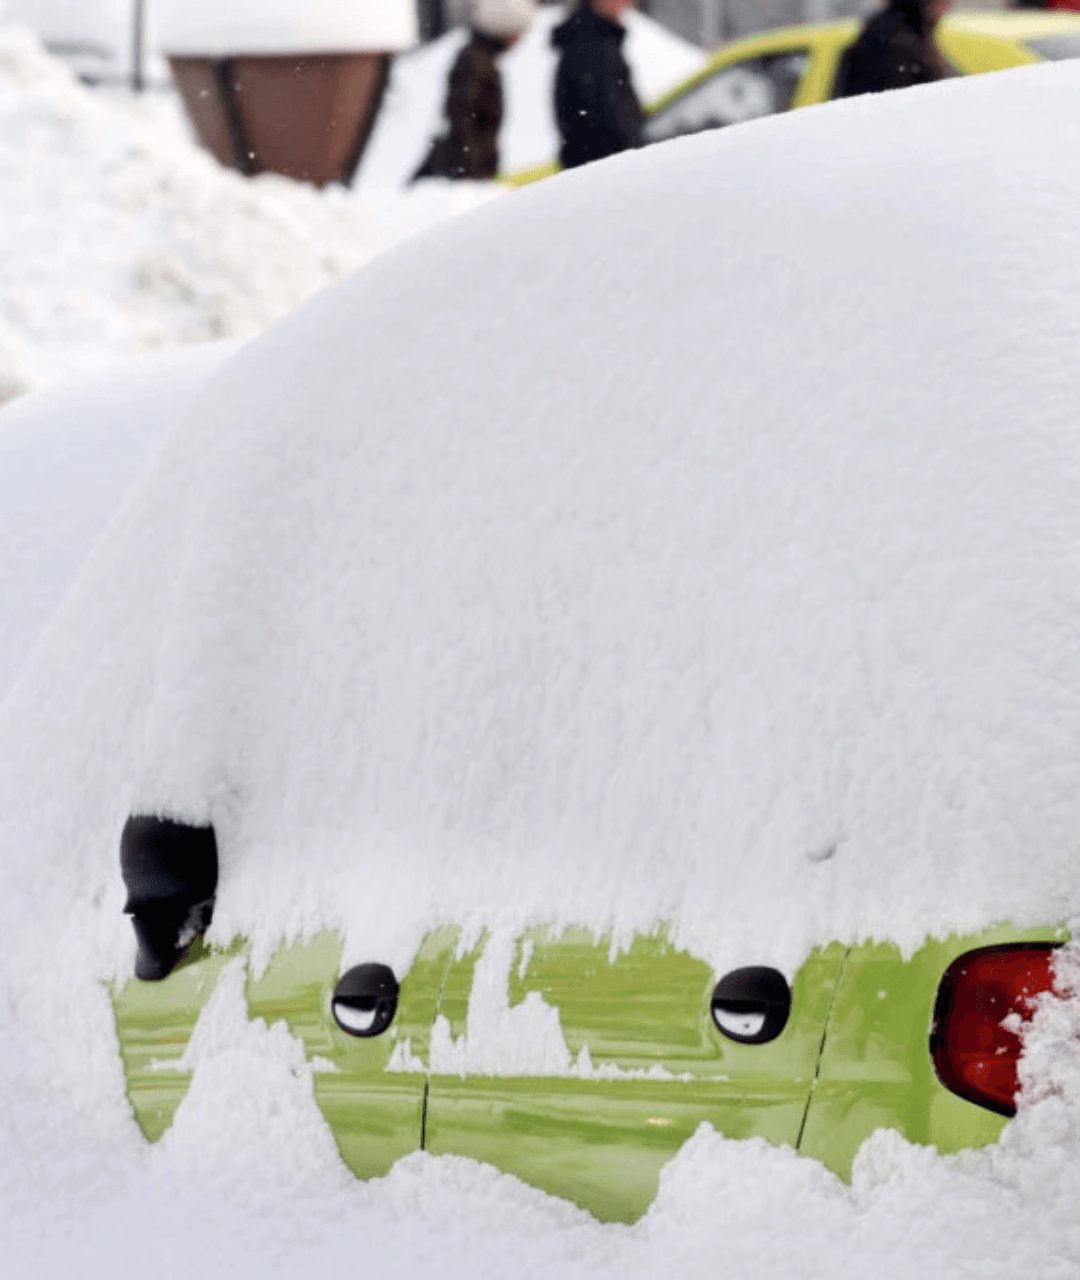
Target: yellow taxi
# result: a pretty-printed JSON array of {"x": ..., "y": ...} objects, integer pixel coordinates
[{"x": 796, "y": 67}]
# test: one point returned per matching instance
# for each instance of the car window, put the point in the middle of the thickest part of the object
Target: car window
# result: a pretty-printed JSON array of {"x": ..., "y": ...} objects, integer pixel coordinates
[
  {"x": 1055, "y": 48},
  {"x": 755, "y": 87}
]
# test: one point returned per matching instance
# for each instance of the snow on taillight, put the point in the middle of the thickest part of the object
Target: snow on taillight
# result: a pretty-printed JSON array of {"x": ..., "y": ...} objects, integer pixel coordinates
[{"x": 975, "y": 1055}]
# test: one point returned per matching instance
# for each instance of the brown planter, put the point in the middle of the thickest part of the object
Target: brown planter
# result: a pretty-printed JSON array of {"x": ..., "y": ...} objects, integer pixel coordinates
[{"x": 307, "y": 116}]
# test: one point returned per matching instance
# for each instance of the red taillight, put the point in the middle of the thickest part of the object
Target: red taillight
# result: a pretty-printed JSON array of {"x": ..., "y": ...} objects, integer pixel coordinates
[{"x": 974, "y": 1054}]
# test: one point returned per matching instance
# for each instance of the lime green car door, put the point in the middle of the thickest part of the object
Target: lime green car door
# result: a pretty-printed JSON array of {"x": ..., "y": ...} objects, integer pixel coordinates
[
  {"x": 581, "y": 1069},
  {"x": 371, "y": 1090},
  {"x": 627, "y": 1060}
]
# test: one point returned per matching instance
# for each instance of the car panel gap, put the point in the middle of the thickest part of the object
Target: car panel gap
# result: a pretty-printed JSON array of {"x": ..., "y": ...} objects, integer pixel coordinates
[{"x": 821, "y": 1049}]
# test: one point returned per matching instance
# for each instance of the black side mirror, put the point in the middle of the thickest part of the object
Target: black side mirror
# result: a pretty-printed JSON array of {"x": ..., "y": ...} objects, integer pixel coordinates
[{"x": 170, "y": 871}]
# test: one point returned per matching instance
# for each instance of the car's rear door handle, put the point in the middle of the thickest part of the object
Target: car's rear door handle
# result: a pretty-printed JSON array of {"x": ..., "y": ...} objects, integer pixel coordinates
[
  {"x": 365, "y": 1000},
  {"x": 751, "y": 1005}
]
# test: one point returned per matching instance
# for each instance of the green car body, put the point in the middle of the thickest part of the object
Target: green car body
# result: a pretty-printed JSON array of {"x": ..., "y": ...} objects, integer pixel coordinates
[{"x": 642, "y": 1062}]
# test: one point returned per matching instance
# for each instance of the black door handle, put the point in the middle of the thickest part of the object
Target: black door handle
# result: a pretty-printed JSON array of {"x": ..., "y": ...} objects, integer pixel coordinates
[
  {"x": 365, "y": 1000},
  {"x": 751, "y": 1005}
]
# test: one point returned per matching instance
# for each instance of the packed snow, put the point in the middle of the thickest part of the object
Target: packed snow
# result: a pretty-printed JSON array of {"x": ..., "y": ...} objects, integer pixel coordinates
[{"x": 568, "y": 564}]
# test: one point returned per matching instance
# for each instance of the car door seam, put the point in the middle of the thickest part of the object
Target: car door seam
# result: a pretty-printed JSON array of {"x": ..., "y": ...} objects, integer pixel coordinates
[
  {"x": 451, "y": 954},
  {"x": 821, "y": 1049}
]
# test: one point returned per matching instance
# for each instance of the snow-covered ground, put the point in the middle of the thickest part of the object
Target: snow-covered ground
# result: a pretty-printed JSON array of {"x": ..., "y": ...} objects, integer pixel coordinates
[
  {"x": 120, "y": 236},
  {"x": 267, "y": 1200},
  {"x": 634, "y": 559}
]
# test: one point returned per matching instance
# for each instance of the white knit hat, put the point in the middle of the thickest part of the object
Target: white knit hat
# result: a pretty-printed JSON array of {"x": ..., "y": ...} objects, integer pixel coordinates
[{"x": 502, "y": 18}]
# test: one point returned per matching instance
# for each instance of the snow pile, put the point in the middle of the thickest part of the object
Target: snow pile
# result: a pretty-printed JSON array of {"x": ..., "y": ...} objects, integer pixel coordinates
[
  {"x": 247, "y": 1181},
  {"x": 121, "y": 235},
  {"x": 1050, "y": 1068},
  {"x": 412, "y": 111}
]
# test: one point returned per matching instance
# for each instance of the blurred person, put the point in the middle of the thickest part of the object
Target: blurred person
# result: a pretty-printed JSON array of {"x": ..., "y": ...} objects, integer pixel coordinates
[
  {"x": 597, "y": 110},
  {"x": 474, "y": 98},
  {"x": 895, "y": 49}
]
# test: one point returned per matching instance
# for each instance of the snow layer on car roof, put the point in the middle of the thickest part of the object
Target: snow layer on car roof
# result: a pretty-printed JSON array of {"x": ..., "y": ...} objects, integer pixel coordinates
[{"x": 692, "y": 538}]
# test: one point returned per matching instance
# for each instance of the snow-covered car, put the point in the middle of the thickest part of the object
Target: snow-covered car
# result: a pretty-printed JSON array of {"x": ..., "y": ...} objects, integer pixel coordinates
[{"x": 609, "y": 666}]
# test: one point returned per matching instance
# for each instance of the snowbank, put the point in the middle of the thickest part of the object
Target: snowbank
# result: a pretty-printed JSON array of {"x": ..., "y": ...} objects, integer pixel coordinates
[
  {"x": 246, "y": 1183},
  {"x": 412, "y": 111},
  {"x": 121, "y": 236}
]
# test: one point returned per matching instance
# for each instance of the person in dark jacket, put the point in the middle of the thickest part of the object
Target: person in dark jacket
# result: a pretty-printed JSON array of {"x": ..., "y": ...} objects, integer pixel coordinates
[
  {"x": 596, "y": 108},
  {"x": 474, "y": 99},
  {"x": 895, "y": 49}
]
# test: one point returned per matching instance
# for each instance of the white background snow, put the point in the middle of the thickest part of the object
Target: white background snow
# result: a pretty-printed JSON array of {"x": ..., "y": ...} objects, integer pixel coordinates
[
  {"x": 121, "y": 237},
  {"x": 942, "y": 562}
]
